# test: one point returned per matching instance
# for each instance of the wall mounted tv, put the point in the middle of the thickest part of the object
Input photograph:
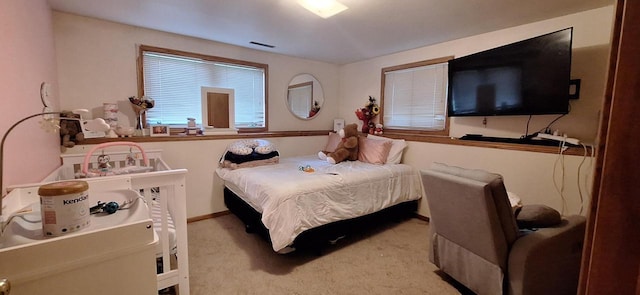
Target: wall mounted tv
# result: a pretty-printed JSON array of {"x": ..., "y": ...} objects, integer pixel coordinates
[{"x": 529, "y": 77}]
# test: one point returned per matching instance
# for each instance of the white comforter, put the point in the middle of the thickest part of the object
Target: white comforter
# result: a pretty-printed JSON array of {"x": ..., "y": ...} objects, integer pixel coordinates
[{"x": 292, "y": 201}]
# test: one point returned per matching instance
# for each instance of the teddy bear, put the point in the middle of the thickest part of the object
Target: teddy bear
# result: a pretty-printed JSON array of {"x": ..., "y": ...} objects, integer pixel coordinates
[
  {"x": 70, "y": 131},
  {"x": 347, "y": 148}
]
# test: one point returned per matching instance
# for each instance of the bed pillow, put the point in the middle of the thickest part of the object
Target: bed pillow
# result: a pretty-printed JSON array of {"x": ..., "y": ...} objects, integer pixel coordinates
[
  {"x": 537, "y": 216},
  {"x": 264, "y": 147},
  {"x": 373, "y": 151},
  {"x": 397, "y": 148},
  {"x": 248, "y": 146},
  {"x": 249, "y": 153},
  {"x": 332, "y": 142},
  {"x": 242, "y": 147}
]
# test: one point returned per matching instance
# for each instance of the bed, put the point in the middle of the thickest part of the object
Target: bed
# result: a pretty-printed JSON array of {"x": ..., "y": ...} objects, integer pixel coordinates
[
  {"x": 163, "y": 188},
  {"x": 302, "y": 201}
]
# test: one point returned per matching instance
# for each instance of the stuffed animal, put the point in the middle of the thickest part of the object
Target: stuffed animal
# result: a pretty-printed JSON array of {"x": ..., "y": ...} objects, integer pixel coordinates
[
  {"x": 70, "y": 131},
  {"x": 347, "y": 149},
  {"x": 378, "y": 130}
]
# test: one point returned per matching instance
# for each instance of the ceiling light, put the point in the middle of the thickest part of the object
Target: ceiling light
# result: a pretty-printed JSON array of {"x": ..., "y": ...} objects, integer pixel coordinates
[{"x": 323, "y": 8}]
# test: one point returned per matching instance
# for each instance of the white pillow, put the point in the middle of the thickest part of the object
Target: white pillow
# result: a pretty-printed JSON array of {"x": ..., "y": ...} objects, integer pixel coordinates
[
  {"x": 264, "y": 147},
  {"x": 397, "y": 148},
  {"x": 242, "y": 147},
  {"x": 333, "y": 142},
  {"x": 247, "y": 146}
]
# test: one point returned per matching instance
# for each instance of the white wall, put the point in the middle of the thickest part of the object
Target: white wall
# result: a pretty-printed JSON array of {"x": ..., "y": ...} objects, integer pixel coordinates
[
  {"x": 591, "y": 38},
  {"x": 527, "y": 174},
  {"x": 537, "y": 178},
  {"x": 97, "y": 63}
]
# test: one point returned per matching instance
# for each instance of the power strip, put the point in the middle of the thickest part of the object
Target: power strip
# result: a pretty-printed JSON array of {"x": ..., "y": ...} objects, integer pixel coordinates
[{"x": 559, "y": 138}]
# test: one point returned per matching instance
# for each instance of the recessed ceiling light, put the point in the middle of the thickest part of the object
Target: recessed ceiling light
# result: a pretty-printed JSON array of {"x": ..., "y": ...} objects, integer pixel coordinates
[{"x": 323, "y": 8}]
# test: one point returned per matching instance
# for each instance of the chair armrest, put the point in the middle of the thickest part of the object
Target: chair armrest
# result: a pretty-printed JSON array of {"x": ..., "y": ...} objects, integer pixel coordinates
[{"x": 547, "y": 261}]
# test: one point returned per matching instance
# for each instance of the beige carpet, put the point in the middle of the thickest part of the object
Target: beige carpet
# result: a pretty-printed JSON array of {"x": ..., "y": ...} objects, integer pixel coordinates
[{"x": 389, "y": 259}]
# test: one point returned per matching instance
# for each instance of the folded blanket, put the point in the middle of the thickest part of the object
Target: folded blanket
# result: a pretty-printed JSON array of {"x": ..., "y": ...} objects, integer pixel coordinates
[
  {"x": 254, "y": 156},
  {"x": 255, "y": 163}
]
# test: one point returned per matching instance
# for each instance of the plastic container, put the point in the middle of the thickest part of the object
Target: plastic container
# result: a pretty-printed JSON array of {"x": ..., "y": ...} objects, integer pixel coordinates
[{"x": 64, "y": 207}]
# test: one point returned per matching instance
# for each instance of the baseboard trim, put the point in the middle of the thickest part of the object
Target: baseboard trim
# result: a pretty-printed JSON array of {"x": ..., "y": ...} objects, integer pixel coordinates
[
  {"x": 207, "y": 216},
  {"x": 421, "y": 217}
]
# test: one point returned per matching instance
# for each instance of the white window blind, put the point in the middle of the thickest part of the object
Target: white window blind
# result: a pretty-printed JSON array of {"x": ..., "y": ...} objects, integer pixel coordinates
[
  {"x": 174, "y": 83},
  {"x": 416, "y": 98}
]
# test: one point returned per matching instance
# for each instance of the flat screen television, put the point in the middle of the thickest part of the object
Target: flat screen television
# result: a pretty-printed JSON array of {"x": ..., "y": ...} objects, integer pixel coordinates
[{"x": 529, "y": 77}]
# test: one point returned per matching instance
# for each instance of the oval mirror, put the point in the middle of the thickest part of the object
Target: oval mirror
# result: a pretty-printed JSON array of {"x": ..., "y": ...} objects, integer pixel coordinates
[{"x": 304, "y": 96}]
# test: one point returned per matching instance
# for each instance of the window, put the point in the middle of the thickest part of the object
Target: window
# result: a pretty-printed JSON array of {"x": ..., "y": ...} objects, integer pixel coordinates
[
  {"x": 414, "y": 97},
  {"x": 174, "y": 80}
]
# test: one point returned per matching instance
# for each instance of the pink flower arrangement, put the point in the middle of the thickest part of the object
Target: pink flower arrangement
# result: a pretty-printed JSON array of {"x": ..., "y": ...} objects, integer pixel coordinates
[{"x": 367, "y": 113}]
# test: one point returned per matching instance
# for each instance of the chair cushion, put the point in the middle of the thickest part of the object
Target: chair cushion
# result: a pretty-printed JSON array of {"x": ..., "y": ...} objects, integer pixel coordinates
[{"x": 537, "y": 216}]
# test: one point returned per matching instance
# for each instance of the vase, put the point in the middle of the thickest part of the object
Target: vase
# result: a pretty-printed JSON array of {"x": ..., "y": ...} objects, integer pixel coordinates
[
  {"x": 365, "y": 125},
  {"x": 139, "y": 124}
]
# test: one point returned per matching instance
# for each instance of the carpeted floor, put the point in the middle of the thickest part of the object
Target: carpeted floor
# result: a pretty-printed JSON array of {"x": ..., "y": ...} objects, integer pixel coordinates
[{"x": 388, "y": 259}]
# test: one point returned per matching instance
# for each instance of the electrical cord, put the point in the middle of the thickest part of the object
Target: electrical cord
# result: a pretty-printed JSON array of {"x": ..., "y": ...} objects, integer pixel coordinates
[
  {"x": 586, "y": 180},
  {"x": 584, "y": 157},
  {"x": 20, "y": 212},
  {"x": 526, "y": 130},
  {"x": 547, "y": 129},
  {"x": 560, "y": 189},
  {"x": 112, "y": 207}
]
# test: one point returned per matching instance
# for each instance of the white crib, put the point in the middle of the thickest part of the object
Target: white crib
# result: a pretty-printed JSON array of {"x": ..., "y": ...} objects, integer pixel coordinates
[{"x": 165, "y": 192}]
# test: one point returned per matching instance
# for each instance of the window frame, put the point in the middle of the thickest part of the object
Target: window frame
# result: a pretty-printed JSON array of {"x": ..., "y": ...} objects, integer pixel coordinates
[
  {"x": 211, "y": 58},
  {"x": 414, "y": 131}
]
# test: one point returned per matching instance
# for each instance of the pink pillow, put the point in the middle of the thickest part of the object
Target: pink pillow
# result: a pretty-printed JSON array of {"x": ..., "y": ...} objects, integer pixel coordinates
[
  {"x": 397, "y": 147},
  {"x": 373, "y": 151},
  {"x": 332, "y": 143}
]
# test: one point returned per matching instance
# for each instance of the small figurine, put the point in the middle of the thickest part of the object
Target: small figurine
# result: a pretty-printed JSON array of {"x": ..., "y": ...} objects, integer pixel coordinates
[
  {"x": 103, "y": 162},
  {"x": 378, "y": 130},
  {"x": 131, "y": 159}
]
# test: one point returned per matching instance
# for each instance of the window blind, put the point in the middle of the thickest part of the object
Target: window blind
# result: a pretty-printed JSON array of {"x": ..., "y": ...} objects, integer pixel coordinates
[
  {"x": 416, "y": 98},
  {"x": 174, "y": 82}
]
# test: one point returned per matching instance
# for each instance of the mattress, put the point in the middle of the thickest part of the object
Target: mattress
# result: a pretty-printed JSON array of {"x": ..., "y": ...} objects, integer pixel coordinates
[{"x": 292, "y": 200}]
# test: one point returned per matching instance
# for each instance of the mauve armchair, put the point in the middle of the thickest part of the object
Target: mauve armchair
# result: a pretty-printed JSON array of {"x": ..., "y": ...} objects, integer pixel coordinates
[{"x": 475, "y": 238}]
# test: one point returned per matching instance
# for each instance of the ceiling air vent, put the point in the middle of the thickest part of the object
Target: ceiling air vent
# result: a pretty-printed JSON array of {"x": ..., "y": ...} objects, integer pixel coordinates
[{"x": 262, "y": 44}]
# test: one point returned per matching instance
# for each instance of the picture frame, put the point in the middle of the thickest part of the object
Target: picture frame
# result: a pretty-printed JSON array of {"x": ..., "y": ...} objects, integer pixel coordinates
[
  {"x": 218, "y": 111},
  {"x": 159, "y": 130},
  {"x": 338, "y": 124}
]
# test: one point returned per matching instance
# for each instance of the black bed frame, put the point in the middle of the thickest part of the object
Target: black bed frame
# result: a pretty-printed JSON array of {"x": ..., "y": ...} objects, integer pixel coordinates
[{"x": 316, "y": 239}]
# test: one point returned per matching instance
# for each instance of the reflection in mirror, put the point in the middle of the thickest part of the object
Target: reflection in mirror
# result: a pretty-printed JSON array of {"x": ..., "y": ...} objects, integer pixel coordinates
[{"x": 304, "y": 96}]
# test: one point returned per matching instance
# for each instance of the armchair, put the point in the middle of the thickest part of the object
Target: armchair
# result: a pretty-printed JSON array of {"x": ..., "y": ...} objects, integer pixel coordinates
[{"x": 475, "y": 238}]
